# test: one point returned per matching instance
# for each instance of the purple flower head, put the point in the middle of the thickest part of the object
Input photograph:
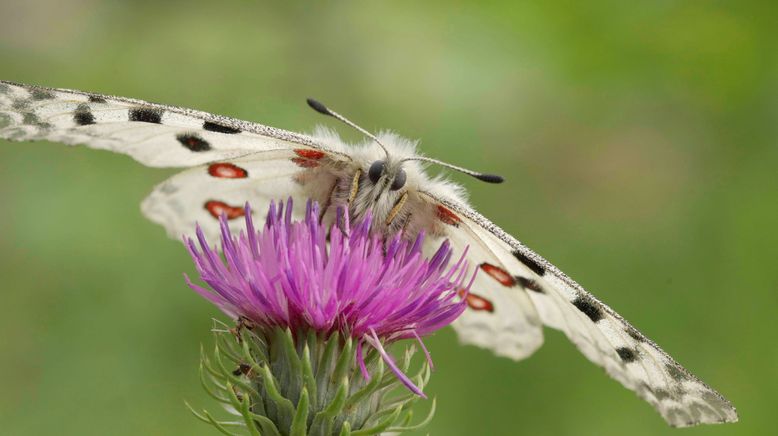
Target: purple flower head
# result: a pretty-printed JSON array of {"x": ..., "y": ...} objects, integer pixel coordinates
[{"x": 372, "y": 288}]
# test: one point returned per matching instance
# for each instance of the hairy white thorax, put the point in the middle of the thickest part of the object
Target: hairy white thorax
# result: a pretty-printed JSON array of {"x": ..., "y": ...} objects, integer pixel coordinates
[{"x": 335, "y": 184}]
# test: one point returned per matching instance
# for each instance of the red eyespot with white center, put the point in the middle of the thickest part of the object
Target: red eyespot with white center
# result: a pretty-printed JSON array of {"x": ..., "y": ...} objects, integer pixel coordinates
[
  {"x": 477, "y": 302},
  {"x": 498, "y": 274},
  {"x": 216, "y": 208},
  {"x": 226, "y": 170}
]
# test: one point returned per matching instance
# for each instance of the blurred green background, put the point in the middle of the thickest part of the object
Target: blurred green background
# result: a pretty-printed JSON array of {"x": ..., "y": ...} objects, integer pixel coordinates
[{"x": 638, "y": 140}]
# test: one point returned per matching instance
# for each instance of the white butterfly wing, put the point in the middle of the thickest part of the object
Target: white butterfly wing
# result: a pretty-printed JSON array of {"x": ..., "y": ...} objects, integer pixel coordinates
[
  {"x": 203, "y": 193},
  {"x": 601, "y": 334},
  {"x": 232, "y": 161},
  {"x": 155, "y": 135},
  {"x": 500, "y": 315}
]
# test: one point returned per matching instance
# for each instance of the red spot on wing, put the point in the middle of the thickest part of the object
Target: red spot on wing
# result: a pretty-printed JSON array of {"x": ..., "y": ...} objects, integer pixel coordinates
[
  {"x": 448, "y": 217},
  {"x": 226, "y": 170},
  {"x": 307, "y": 158},
  {"x": 216, "y": 208},
  {"x": 477, "y": 302},
  {"x": 309, "y": 154},
  {"x": 498, "y": 274},
  {"x": 305, "y": 163}
]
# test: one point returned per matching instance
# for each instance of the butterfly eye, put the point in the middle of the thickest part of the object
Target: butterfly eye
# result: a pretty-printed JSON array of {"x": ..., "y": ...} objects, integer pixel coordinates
[
  {"x": 376, "y": 170},
  {"x": 399, "y": 180}
]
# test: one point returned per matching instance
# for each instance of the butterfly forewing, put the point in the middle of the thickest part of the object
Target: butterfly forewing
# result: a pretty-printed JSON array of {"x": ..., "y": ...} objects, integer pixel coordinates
[
  {"x": 232, "y": 161},
  {"x": 601, "y": 334},
  {"x": 155, "y": 135}
]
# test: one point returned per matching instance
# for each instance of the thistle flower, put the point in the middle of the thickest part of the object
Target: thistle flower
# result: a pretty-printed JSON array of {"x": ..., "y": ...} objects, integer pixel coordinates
[{"x": 316, "y": 308}]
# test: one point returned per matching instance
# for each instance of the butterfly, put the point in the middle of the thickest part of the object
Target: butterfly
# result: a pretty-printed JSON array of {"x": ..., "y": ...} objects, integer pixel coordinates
[{"x": 228, "y": 162}]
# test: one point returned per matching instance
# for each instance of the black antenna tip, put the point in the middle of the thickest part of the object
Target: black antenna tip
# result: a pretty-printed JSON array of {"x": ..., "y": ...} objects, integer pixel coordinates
[
  {"x": 318, "y": 107},
  {"x": 489, "y": 178}
]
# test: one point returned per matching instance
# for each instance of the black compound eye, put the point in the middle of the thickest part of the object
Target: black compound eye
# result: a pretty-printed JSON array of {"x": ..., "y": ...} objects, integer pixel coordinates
[
  {"x": 376, "y": 170},
  {"x": 399, "y": 180}
]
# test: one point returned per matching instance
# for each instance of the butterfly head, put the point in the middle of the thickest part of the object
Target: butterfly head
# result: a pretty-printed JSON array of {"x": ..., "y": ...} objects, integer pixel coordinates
[
  {"x": 391, "y": 168},
  {"x": 385, "y": 165},
  {"x": 381, "y": 171}
]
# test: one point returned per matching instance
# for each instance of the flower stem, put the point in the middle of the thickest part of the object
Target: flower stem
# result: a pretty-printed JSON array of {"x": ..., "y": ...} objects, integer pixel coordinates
[{"x": 284, "y": 384}]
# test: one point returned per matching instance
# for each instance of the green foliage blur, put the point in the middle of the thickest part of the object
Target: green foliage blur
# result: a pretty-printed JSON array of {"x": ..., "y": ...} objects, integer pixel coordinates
[{"x": 638, "y": 140}]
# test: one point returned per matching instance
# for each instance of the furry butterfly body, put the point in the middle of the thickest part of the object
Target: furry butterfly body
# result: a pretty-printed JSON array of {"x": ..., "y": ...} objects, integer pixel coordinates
[{"x": 229, "y": 162}]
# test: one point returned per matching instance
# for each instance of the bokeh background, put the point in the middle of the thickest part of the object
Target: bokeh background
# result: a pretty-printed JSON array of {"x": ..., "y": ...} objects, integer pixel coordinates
[{"x": 638, "y": 140}]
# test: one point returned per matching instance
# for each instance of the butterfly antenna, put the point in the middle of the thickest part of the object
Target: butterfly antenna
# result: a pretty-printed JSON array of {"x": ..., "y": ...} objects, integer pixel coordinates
[
  {"x": 488, "y": 178},
  {"x": 324, "y": 110}
]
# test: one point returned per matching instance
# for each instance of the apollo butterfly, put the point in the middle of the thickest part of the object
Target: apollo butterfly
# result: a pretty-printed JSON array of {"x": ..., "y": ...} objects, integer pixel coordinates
[{"x": 230, "y": 162}]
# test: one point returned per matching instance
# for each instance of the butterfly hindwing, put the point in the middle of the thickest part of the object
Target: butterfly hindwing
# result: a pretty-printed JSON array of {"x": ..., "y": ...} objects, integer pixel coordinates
[
  {"x": 500, "y": 315},
  {"x": 602, "y": 335},
  {"x": 200, "y": 195}
]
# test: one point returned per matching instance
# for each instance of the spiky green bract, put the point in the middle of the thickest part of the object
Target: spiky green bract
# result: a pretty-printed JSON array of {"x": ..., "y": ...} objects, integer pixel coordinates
[{"x": 279, "y": 383}]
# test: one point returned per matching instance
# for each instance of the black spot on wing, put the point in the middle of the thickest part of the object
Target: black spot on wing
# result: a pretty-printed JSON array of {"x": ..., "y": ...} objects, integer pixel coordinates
[
  {"x": 588, "y": 307},
  {"x": 32, "y": 119},
  {"x": 41, "y": 94},
  {"x": 530, "y": 284},
  {"x": 215, "y": 127},
  {"x": 676, "y": 373},
  {"x": 20, "y": 104},
  {"x": 529, "y": 263},
  {"x": 627, "y": 354},
  {"x": 146, "y": 115},
  {"x": 83, "y": 115},
  {"x": 193, "y": 142},
  {"x": 96, "y": 99}
]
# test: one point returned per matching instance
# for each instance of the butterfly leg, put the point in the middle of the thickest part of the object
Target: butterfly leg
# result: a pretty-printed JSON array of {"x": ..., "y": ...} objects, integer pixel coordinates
[
  {"x": 396, "y": 209},
  {"x": 328, "y": 201},
  {"x": 354, "y": 186}
]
